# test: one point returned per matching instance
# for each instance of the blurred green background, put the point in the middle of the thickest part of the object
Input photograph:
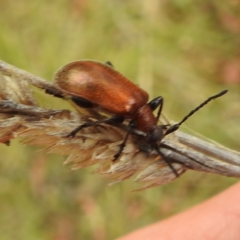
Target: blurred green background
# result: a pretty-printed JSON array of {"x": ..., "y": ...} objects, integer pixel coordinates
[{"x": 182, "y": 50}]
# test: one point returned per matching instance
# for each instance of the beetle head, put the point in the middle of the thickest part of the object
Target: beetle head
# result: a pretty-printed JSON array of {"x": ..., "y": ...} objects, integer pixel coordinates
[{"x": 156, "y": 134}]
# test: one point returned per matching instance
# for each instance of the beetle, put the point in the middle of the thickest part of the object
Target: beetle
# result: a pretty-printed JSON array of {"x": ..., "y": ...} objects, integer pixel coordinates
[{"x": 93, "y": 84}]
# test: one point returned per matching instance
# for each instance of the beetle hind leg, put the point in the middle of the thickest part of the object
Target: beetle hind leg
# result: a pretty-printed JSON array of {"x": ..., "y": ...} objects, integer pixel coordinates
[
  {"x": 79, "y": 128},
  {"x": 113, "y": 121}
]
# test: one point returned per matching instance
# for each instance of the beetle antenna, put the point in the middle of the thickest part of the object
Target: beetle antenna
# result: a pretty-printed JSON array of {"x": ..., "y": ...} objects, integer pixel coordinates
[
  {"x": 174, "y": 127},
  {"x": 201, "y": 105}
]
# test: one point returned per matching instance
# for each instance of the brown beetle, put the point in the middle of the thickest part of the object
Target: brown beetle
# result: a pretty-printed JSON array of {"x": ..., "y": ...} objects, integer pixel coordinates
[{"x": 95, "y": 85}]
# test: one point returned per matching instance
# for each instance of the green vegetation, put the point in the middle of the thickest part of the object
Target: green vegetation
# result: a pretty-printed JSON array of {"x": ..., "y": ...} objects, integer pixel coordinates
[{"x": 182, "y": 50}]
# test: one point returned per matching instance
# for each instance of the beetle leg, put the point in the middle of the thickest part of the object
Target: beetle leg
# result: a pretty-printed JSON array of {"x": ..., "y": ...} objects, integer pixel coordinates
[
  {"x": 123, "y": 144},
  {"x": 113, "y": 120},
  {"x": 54, "y": 92},
  {"x": 108, "y": 63},
  {"x": 166, "y": 161},
  {"x": 155, "y": 103},
  {"x": 82, "y": 102}
]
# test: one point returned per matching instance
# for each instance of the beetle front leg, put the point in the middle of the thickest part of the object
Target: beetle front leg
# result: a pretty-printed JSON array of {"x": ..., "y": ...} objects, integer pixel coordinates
[{"x": 157, "y": 103}]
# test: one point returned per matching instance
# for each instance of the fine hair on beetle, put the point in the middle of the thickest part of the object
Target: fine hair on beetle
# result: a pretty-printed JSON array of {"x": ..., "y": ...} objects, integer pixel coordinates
[{"x": 91, "y": 84}]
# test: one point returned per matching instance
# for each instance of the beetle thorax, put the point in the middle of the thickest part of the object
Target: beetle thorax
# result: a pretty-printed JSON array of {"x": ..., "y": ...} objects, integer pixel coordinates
[{"x": 145, "y": 119}]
